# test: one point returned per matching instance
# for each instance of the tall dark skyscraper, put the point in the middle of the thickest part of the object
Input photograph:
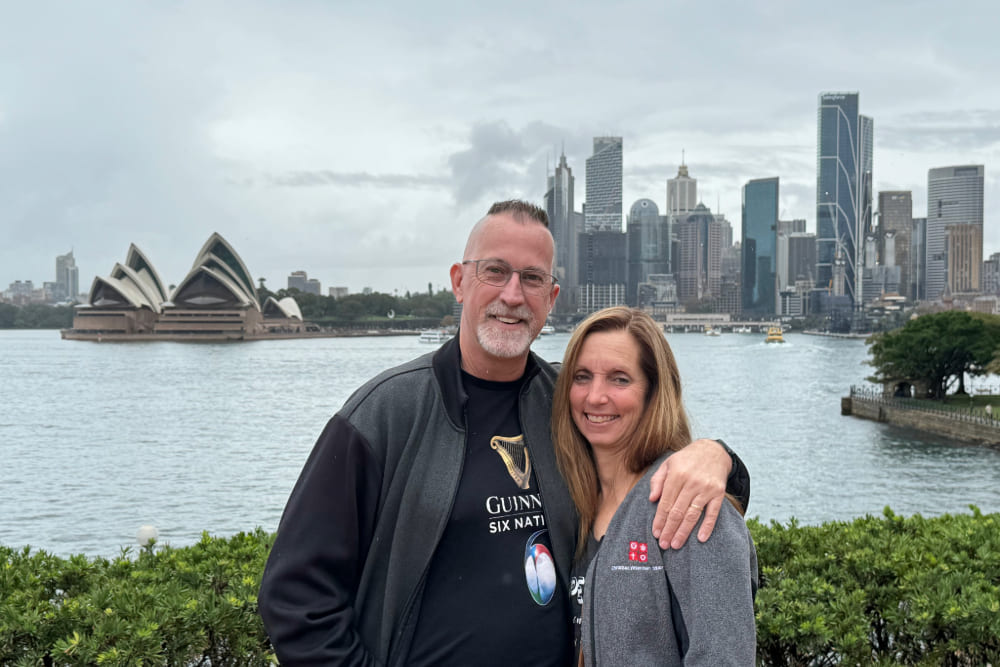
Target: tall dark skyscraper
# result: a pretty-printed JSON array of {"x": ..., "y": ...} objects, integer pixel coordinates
[
  {"x": 648, "y": 245},
  {"x": 844, "y": 155},
  {"x": 563, "y": 224},
  {"x": 603, "y": 210},
  {"x": 603, "y": 270},
  {"x": 759, "y": 242}
]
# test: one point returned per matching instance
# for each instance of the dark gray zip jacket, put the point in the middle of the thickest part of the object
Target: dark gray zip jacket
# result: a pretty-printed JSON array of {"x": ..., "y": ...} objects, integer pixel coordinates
[
  {"x": 344, "y": 579},
  {"x": 689, "y": 606}
]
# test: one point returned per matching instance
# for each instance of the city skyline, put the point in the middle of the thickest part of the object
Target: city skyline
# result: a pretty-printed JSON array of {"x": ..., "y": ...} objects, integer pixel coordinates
[{"x": 359, "y": 144}]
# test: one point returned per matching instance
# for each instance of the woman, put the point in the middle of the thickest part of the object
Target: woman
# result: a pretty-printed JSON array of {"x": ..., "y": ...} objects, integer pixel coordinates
[{"x": 617, "y": 413}]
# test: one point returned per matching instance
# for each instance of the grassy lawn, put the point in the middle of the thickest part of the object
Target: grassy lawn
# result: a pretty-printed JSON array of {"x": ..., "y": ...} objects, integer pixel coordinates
[{"x": 971, "y": 401}]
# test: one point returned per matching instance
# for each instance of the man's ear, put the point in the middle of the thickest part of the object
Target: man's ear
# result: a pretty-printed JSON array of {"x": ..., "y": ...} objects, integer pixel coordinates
[{"x": 456, "y": 281}]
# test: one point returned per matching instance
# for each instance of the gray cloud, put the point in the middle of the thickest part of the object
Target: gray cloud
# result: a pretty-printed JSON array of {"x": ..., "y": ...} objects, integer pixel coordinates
[
  {"x": 295, "y": 179},
  {"x": 960, "y": 130},
  {"x": 373, "y": 136}
]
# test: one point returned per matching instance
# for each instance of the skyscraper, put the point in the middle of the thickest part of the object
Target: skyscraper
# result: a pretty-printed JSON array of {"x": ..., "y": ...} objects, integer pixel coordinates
[
  {"x": 954, "y": 197},
  {"x": 559, "y": 207},
  {"x": 895, "y": 218},
  {"x": 760, "y": 244},
  {"x": 682, "y": 198},
  {"x": 648, "y": 245},
  {"x": 844, "y": 151},
  {"x": 602, "y": 270},
  {"x": 699, "y": 256},
  {"x": 603, "y": 209},
  {"x": 67, "y": 277}
]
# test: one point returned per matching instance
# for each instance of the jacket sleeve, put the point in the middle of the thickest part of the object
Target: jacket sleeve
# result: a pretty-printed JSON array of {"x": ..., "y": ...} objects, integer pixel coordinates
[
  {"x": 309, "y": 584},
  {"x": 738, "y": 482},
  {"x": 711, "y": 586}
]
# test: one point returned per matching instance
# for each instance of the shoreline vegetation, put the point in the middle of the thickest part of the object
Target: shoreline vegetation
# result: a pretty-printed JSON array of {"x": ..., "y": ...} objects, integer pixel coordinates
[
  {"x": 922, "y": 369},
  {"x": 874, "y": 590}
]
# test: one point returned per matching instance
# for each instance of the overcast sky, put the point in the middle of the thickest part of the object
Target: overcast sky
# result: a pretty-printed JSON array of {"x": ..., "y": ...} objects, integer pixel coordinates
[{"x": 359, "y": 141}]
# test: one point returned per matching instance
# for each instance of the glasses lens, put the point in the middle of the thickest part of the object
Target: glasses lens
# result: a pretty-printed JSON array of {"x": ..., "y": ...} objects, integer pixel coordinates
[
  {"x": 493, "y": 272},
  {"x": 497, "y": 272}
]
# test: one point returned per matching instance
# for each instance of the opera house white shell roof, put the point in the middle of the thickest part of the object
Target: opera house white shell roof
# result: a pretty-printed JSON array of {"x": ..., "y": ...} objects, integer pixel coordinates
[{"x": 218, "y": 279}]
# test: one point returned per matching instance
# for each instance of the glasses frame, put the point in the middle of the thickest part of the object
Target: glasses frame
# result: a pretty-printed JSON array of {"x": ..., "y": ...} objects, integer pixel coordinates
[{"x": 553, "y": 281}]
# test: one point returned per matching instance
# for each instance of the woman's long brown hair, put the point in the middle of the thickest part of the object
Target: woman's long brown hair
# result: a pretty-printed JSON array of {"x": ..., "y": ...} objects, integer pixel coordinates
[{"x": 662, "y": 427}]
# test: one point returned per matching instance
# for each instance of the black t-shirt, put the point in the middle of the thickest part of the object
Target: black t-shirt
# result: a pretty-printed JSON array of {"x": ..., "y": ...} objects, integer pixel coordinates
[{"x": 491, "y": 595}]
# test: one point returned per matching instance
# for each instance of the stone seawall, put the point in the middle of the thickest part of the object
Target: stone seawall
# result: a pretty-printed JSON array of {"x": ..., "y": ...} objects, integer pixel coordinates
[{"x": 938, "y": 423}]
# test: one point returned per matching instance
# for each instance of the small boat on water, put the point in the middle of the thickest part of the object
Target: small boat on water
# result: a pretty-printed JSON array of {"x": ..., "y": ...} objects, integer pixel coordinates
[
  {"x": 710, "y": 331},
  {"x": 435, "y": 336},
  {"x": 547, "y": 329},
  {"x": 743, "y": 329},
  {"x": 774, "y": 335}
]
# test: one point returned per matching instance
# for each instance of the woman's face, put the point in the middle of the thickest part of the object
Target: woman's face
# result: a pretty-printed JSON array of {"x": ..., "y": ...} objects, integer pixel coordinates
[{"x": 608, "y": 394}]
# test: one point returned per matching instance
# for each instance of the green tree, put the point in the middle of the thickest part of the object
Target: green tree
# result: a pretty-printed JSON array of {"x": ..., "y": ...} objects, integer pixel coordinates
[
  {"x": 8, "y": 313},
  {"x": 934, "y": 351}
]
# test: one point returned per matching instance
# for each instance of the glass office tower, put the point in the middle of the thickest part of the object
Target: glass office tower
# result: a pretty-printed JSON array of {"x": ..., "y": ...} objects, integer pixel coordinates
[
  {"x": 759, "y": 241},
  {"x": 844, "y": 151}
]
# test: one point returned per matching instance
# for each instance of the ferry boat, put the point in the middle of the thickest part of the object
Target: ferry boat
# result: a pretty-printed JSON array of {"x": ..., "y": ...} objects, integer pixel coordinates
[
  {"x": 710, "y": 331},
  {"x": 774, "y": 335},
  {"x": 435, "y": 336}
]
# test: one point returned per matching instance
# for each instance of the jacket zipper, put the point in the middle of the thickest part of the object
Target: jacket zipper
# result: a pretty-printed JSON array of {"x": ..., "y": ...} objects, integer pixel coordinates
[{"x": 408, "y": 608}]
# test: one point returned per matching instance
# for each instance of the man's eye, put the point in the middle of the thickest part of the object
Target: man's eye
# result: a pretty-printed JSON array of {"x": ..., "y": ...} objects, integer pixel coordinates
[
  {"x": 495, "y": 269},
  {"x": 533, "y": 278}
]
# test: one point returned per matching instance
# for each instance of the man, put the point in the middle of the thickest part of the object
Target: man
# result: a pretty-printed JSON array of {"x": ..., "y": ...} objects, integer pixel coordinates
[{"x": 430, "y": 524}]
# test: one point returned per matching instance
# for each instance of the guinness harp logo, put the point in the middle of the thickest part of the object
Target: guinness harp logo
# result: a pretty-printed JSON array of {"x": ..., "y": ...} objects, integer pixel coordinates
[{"x": 515, "y": 457}]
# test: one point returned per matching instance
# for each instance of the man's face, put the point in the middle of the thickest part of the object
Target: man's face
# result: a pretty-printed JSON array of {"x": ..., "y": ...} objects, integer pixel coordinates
[{"x": 504, "y": 319}]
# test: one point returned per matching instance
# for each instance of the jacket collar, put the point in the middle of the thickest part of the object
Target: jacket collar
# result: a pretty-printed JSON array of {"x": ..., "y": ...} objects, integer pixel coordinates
[{"x": 447, "y": 365}]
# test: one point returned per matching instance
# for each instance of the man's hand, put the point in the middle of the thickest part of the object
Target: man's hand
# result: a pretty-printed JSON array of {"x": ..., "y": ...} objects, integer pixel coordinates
[{"x": 691, "y": 480}]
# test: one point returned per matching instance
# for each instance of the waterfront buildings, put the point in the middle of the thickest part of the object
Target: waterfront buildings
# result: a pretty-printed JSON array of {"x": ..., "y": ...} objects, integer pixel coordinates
[
  {"x": 844, "y": 155},
  {"x": 602, "y": 211},
  {"x": 954, "y": 229},
  {"x": 759, "y": 242},
  {"x": 301, "y": 281}
]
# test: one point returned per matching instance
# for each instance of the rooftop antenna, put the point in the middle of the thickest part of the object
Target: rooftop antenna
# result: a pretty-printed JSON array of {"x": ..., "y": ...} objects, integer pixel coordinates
[{"x": 682, "y": 156}]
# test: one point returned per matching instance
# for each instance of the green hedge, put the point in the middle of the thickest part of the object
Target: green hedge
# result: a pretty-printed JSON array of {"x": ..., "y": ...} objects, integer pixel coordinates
[
  {"x": 885, "y": 591},
  {"x": 875, "y": 591},
  {"x": 190, "y": 606}
]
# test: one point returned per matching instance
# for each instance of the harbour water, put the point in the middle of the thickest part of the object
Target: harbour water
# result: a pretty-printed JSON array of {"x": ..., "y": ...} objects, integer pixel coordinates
[{"x": 97, "y": 439}]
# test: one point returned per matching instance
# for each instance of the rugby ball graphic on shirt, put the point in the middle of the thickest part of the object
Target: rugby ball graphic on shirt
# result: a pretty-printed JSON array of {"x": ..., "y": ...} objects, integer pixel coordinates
[{"x": 539, "y": 570}]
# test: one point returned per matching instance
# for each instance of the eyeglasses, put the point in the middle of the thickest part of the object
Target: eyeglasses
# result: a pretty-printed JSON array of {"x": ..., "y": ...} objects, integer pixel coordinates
[{"x": 497, "y": 272}]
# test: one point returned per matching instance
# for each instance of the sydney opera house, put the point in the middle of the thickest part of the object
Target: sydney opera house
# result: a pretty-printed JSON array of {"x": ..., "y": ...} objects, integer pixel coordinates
[{"x": 216, "y": 301}]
